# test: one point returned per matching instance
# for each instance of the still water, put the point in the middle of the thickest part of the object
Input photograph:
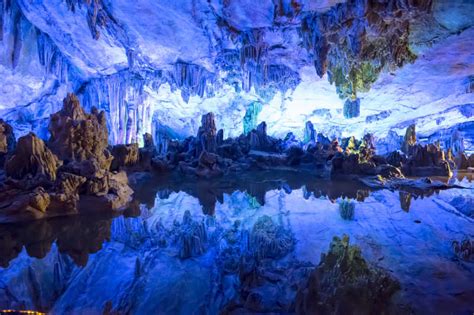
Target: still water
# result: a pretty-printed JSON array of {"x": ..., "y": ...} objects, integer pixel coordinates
[{"x": 178, "y": 249}]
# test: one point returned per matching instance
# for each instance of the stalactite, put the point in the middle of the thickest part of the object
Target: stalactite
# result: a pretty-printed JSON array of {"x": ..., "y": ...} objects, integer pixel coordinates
[
  {"x": 122, "y": 97},
  {"x": 191, "y": 79}
]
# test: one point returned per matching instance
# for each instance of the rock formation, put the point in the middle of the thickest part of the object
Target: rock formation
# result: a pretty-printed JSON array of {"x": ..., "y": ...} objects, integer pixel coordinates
[
  {"x": 32, "y": 161},
  {"x": 78, "y": 136},
  {"x": 125, "y": 155},
  {"x": 7, "y": 141},
  {"x": 41, "y": 184},
  {"x": 344, "y": 283},
  {"x": 426, "y": 161},
  {"x": 207, "y": 134},
  {"x": 410, "y": 139}
]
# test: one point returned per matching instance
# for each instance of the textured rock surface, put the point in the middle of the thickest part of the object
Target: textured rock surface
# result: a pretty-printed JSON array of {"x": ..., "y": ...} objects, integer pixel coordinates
[
  {"x": 78, "y": 136},
  {"x": 32, "y": 161},
  {"x": 125, "y": 156}
]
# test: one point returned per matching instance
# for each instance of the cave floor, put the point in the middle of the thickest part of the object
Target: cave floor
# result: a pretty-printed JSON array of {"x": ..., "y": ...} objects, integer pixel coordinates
[{"x": 177, "y": 249}]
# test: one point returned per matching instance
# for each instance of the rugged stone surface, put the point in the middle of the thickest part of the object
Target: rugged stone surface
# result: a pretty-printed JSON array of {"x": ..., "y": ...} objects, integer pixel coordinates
[
  {"x": 344, "y": 283},
  {"x": 125, "y": 155},
  {"x": 207, "y": 134},
  {"x": 17, "y": 204},
  {"x": 426, "y": 161},
  {"x": 78, "y": 136},
  {"x": 410, "y": 139},
  {"x": 41, "y": 185},
  {"x": 32, "y": 161}
]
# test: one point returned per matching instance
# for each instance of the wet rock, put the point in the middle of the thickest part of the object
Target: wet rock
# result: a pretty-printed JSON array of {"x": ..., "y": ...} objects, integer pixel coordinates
[
  {"x": 471, "y": 160},
  {"x": 367, "y": 147},
  {"x": 125, "y": 155},
  {"x": 32, "y": 161},
  {"x": 109, "y": 193},
  {"x": 344, "y": 283},
  {"x": 23, "y": 205},
  {"x": 78, "y": 136},
  {"x": 65, "y": 197},
  {"x": 7, "y": 141}
]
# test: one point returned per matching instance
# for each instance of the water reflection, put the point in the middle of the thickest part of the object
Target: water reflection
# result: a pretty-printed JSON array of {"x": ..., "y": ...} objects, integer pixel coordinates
[
  {"x": 76, "y": 236},
  {"x": 257, "y": 184},
  {"x": 243, "y": 244}
]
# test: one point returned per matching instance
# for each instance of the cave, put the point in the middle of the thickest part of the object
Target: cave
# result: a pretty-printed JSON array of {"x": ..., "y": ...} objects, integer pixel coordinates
[{"x": 237, "y": 157}]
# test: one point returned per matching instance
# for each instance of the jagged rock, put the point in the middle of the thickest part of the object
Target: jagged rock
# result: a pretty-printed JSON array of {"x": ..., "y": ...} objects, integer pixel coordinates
[
  {"x": 410, "y": 139},
  {"x": 461, "y": 160},
  {"x": 148, "y": 151},
  {"x": 367, "y": 147},
  {"x": 220, "y": 137},
  {"x": 207, "y": 134},
  {"x": 32, "y": 161},
  {"x": 350, "y": 145},
  {"x": 396, "y": 159},
  {"x": 65, "y": 197},
  {"x": 258, "y": 138},
  {"x": 344, "y": 283},
  {"x": 23, "y": 205},
  {"x": 426, "y": 161},
  {"x": 471, "y": 160},
  {"x": 78, "y": 136},
  {"x": 7, "y": 141},
  {"x": 110, "y": 193},
  {"x": 125, "y": 155}
]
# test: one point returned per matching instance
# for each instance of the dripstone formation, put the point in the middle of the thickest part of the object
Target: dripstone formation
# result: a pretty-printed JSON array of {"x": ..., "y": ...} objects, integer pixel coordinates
[
  {"x": 68, "y": 174},
  {"x": 76, "y": 170}
]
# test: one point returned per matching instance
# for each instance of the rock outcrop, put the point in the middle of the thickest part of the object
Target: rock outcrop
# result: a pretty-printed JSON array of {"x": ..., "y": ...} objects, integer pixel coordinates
[
  {"x": 429, "y": 160},
  {"x": 78, "y": 136},
  {"x": 32, "y": 161},
  {"x": 125, "y": 155},
  {"x": 41, "y": 184}
]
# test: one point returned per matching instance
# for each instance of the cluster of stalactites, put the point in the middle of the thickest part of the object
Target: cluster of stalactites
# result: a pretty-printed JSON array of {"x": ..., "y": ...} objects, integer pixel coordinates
[
  {"x": 341, "y": 46},
  {"x": 15, "y": 29}
]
